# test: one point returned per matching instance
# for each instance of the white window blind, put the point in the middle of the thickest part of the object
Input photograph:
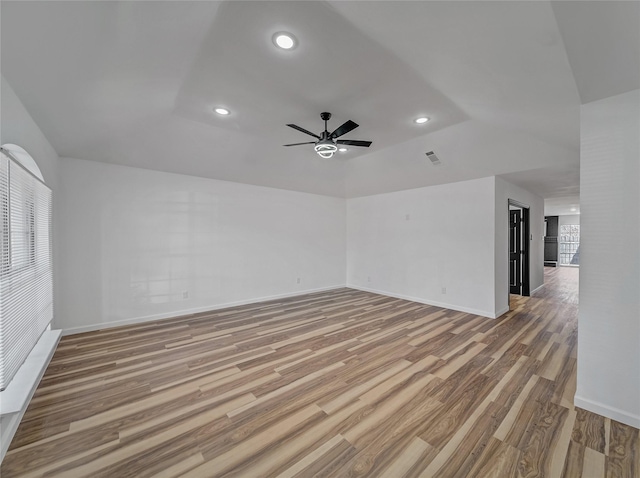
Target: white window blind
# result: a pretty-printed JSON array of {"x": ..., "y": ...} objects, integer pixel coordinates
[{"x": 26, "y": 282}]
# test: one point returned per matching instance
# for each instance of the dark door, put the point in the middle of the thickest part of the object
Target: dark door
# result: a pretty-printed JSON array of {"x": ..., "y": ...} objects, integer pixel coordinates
[{"x": 515, "y": 252}]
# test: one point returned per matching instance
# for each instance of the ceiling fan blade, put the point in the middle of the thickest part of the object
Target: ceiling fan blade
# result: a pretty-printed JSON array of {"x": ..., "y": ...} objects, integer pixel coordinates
[
  {"x": 294, "y": 126},
  {"x": 344, "y": 129},
  {"x": 354, "y": 142},
  {"x": 298, "y": 144}
]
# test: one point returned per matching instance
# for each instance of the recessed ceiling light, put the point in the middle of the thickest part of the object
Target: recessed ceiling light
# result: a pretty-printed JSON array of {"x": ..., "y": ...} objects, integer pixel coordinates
[
  {"x": 222, "y": 111},
  {"x": 421, "y": 120},
  {"x": 573, "y": 209},
  {"x": 343, "y": 150},
  {"x": 285, "y": 40}
]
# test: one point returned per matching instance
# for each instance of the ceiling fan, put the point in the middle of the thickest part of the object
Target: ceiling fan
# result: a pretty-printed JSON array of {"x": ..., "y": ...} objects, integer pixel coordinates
[{"x": 326, "y": 146}]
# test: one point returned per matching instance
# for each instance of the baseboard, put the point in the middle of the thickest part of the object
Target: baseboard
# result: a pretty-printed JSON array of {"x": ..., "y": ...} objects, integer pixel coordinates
[
  {"x": 458, "y": 308},
  {"x": 196, "y": 310},
  {"x": 536, "y": 289},
  {"x": 16, "y": 397},
  {"x": 501, "y": 312},
  {"x": 607, "y": 411}
]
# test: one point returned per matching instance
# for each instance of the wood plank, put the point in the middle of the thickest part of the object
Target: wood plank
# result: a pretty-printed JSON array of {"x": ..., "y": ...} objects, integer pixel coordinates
[
  {"x": 308, "y": 459},
  {"x": 561, "y": 449},
  {"x": 407, "y": 459},
  {"x": 574, "y": 462},
  {"x": 589, "y": 430},
  {"x": 624, "y": 451},
  {"x": 497, "y": 460},
  {"x": 594, "y": 464}
]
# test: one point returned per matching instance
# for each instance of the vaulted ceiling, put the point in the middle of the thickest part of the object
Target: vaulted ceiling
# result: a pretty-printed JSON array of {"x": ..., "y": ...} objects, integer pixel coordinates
[{"x": 134, "y": 83}]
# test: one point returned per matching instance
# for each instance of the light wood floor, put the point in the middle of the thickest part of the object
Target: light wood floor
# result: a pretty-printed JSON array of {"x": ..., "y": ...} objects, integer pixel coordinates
[{"x": 341, "y": 383}]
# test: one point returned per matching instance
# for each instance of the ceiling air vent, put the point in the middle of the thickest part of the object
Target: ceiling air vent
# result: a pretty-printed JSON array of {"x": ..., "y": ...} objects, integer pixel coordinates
[{"x": 433, "y": 158}]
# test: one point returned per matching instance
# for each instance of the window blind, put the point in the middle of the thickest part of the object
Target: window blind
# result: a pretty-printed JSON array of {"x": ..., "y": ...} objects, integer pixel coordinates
[{"x": 26, "y": 275}]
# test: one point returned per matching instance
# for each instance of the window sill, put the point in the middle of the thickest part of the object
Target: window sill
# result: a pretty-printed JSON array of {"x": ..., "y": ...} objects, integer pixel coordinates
[{"x": 16, "y": 396}]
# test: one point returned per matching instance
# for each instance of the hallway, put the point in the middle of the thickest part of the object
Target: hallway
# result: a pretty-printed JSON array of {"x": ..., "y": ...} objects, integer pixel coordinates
[{"x": 561, "y": 285}]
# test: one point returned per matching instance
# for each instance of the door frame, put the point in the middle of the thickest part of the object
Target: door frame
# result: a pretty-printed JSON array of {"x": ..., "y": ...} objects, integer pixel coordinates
[
  {"x": 516, "y": 238},
  {"x": 526, "y": 245}
]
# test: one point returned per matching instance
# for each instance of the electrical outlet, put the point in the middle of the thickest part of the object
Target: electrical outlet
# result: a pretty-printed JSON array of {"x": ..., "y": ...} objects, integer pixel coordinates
[
  {"x": 298, "y": 280},
  {"x": 368, "y": 278},
  {"x": 444, "y": 290},
  {"x": 407, "y": 217},
  {"x": 185, "y": 294}
]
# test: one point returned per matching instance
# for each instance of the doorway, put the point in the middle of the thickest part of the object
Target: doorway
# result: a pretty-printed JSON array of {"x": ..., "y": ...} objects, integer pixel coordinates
[{"x": 519, "y": 240}]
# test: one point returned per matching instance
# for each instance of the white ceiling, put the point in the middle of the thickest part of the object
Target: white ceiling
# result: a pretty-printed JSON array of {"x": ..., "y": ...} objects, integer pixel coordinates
[
  {"x": 562, "y": 206},
  {"x": 134, "y": 83},
  {"x": 602, "y": 39}
]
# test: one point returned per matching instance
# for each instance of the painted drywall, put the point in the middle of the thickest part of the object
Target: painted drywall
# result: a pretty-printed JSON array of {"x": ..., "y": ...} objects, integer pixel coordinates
[
  {"x": 140, "y": 244},
  {"x": 569, "y": 220},
  {"x": 18, "y": 127},
  {"x": 503, "y": 192},
  {"x": 562, "y": 206},
  {"x": 416, "y": 243},
  {"x": 609, "y": 316}
]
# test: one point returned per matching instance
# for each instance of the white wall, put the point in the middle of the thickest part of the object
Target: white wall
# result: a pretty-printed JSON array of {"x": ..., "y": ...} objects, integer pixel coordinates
[
  {"x": 609, "y": 316},
  {"x": 572, "y": 219},
  {"x": 504, "y": 192},
  {"x": 17, "y": 127},
  {"x": 414, "y": 243},
  {"x": 134, "y": 241}
]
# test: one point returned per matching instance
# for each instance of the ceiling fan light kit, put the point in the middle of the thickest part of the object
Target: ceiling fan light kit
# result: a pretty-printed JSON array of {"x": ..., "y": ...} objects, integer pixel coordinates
[
  {"x": 325, "y": 148},
  {"x": 327, "y": 143}
]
